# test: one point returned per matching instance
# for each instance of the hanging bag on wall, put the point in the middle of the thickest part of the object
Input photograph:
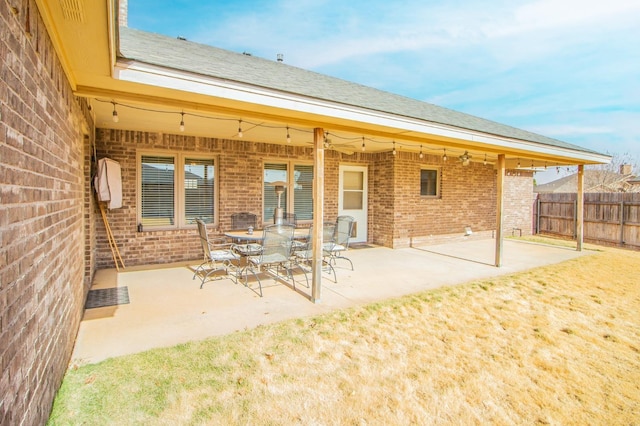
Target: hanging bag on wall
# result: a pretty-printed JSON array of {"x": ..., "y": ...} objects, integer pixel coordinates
[{"x": 108, "y": 183}]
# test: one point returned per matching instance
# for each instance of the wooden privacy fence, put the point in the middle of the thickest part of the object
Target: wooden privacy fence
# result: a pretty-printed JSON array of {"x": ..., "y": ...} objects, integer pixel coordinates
[{"x": 609, "y": 218}]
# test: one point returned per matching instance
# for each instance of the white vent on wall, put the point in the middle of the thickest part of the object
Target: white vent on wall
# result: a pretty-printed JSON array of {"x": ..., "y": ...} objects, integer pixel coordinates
[{"x": 72, "y": 10}]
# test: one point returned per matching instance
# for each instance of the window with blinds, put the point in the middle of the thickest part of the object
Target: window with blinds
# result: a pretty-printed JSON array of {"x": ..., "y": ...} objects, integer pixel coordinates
[
  {"x": 303, "y": 191},
  {"x": 199, "y": 175},
  {"x": 298, "y": 195},
  {"x": 158, "y": 191},
  {"x": 274, "y": 172}
]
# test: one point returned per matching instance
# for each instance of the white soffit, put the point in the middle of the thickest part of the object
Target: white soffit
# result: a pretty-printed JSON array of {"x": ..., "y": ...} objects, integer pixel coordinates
[{"x": 142, "y": 73}]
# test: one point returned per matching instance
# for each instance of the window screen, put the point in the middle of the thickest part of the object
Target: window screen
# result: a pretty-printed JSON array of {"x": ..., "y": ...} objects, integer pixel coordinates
[
  {"x": 272, "y": 173},
  {"x": 157, "y": 198},
  {"x": 199, "y": 190},
  {"x": 303, "y": 191}
]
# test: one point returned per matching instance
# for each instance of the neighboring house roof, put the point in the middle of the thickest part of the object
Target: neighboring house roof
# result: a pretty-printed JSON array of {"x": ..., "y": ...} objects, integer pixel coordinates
[
  {"x": 214, "y": 62},
  {"x": 594, "y": 181}
]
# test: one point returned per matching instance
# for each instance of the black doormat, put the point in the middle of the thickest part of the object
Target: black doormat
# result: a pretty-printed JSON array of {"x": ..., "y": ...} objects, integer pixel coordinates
[
  {"x": 107, "y": 297},
  {"x": 359, "y": 246}
]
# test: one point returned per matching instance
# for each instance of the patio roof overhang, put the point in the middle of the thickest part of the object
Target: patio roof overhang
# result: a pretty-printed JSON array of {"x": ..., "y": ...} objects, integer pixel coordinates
[{"x": 153, "y": 98}]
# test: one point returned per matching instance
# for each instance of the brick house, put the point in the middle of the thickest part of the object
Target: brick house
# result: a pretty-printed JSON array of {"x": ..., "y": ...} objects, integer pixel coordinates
[{"x": 411, "y": 172}]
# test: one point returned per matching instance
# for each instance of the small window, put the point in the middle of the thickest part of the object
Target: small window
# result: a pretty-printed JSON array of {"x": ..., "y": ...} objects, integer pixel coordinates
[{"x": 429, "y": 182}]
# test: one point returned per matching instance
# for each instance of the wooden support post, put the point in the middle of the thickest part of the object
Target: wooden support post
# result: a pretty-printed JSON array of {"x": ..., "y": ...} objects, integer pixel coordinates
[
  {"x": 318, "y": 213},
  {"x": 500, "y": 208},
  {"x": 580, "y": 209}
]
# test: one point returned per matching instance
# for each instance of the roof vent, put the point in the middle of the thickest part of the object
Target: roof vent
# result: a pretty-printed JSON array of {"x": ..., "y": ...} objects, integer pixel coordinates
[
  {"x": 280, "y": 57},
  {"x": 182, "y": 38},
  {"x": 72, "y": 10},
  {"x": 246, "y": 54}
]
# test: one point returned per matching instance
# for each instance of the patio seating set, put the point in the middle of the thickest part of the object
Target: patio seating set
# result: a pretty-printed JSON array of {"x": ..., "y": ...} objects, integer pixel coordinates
[{"x": 277, "y": 250}]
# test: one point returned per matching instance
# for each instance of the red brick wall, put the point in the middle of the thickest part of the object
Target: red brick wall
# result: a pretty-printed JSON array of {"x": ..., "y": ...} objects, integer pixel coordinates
[
  {"x": 398, "y": 215},
  {"x": 240, "y": 189},
  {"x": 381, "y": 200},
  {"x": 518, "y": 204},
  {"x": 43, "y": 201},
  {"x": 467, "y": 198}
]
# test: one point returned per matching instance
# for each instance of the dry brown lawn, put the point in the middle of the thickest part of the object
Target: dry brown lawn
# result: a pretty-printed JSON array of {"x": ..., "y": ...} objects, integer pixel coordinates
[{"x": 554, "y": 345}]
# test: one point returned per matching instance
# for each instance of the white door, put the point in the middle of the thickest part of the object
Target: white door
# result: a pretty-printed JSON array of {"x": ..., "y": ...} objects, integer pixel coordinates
[{"x": 353, "y": 199}]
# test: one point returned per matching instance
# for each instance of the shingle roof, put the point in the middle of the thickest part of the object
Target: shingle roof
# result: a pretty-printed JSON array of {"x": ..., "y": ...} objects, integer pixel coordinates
[{"x": 210, "y": 61}]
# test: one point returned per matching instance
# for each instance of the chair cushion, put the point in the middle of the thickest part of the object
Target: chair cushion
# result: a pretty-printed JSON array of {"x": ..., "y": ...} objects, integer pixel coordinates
[
  {"x": 250, "y": 249},
  {"x": 271, "y": 258},
  {"x": 222, "y": 255}
]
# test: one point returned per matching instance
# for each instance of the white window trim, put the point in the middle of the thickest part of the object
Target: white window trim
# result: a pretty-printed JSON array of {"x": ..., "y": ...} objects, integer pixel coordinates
[
  {"x": 438, "y": 171},
  {"x": 290, "y": 182},
  {"x": 179, "y": 193}
]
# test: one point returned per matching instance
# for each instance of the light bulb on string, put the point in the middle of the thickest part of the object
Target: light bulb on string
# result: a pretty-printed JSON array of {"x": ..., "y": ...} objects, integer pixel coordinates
[
  {"x": 288, "y": 135},
  {"x": 518, "y": 166},
  {"x": 421, "y": 154},
  {"x": 444, "y": 157},
  {"x": 363, "y": 148},
  {"x": 182, "y": 122},
  {"x": 394, "y": 148},
  {"x": 115, "y": 113},
  {"x": 239, "y": 128},
  {"x": 485, "y": 160}
]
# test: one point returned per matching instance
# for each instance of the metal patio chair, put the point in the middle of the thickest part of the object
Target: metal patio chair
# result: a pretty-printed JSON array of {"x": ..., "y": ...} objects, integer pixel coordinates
[
  {"x": 305, "y": 256},
  {"x": 275, "y": 254},
  {"x": 340, "y": 244},
  {"x": 217, "y": 255},
  {"x": 244, "y": 221}
]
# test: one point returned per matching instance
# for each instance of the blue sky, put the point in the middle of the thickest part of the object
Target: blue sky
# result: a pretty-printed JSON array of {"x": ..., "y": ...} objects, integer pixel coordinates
[{"x": 567, "y": 69}]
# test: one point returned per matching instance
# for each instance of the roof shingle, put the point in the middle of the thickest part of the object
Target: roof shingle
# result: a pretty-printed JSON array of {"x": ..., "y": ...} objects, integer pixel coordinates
[{"x": 214, "y": 62}]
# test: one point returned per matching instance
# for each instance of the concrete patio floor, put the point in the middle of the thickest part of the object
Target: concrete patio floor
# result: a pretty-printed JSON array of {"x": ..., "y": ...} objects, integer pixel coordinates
[{"x": 167, "y": 307}]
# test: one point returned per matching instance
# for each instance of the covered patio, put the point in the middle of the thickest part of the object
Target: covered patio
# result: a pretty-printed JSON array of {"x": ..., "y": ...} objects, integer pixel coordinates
[{"x": 167, "y": 307}]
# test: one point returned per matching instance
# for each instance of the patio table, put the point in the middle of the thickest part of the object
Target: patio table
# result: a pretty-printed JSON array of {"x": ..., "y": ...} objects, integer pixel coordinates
[{"x": 299, "y": 233}]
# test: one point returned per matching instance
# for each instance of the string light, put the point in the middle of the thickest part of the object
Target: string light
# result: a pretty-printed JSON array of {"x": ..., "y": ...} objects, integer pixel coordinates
[
  {"x": 115, "y": 113},
  {"x": 396, "y": 145}
]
